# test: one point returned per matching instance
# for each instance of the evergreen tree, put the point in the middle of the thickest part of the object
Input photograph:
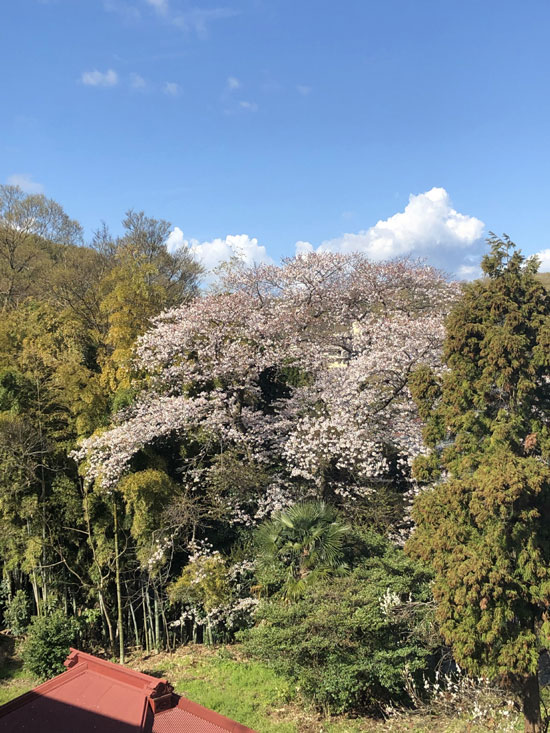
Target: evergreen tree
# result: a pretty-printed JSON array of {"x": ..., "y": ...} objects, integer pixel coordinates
[{"x": 483, "y": 524}]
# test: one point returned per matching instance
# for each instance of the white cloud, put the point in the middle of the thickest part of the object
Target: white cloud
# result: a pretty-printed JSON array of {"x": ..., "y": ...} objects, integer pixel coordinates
[
  {"x": 468, "y": 272},
  {"x": 248, "y": 106},
  {"x": 211, "y": 254},
  {"x": 303, "y": 248},
  {"x": 171, "y": 88},
  {"x": 126, "y": 11},
  {"x": 137, "y": 81},
  {"x": 197, "y": 20},
  {"x": 176, "y": 240},
  {"x": 544, "y": 257},
  {"x": 428, "y": 227},
  {"x": 233, "y": 83},
  {"x": 161, "y": 6},
  {"x": 25, "y": 183},
  {"x": 303, "y": 89},
  {"x": 96, "y": 78}
]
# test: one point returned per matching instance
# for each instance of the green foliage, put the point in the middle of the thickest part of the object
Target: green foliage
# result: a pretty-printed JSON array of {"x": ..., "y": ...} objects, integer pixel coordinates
[
  {"x": 232, "y": 476},
  {"x": 17, "y": 614},
  {"x": 15, "y": 390},
  {"x": 204, "y": 583},
  {"x": 146, "y": 493},
  {"x": 301, "y": 545},
  {"x": 484, "y": 529},
  {"x": 123, "y": 397},
  {"x": 144, "y": 280},
  {"x": 347, "y": 643},
  {"x": 48, "y": 642}
]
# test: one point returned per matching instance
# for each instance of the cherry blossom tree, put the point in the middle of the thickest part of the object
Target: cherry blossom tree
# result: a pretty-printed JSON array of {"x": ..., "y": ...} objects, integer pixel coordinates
[{"x": 288, "y": 382}]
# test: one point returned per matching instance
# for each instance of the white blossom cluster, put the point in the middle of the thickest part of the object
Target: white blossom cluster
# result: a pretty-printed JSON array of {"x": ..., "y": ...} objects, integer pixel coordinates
[
  {"x": 158, "y": 552},
  {"x": 238, "y": 612},
  {"x": 474, "y": 699},
  {"x": 389, "y": 600}
]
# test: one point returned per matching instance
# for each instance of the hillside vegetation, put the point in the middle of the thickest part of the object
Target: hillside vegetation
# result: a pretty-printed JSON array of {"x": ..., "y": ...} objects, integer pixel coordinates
[{"x": 341, "y": 465}]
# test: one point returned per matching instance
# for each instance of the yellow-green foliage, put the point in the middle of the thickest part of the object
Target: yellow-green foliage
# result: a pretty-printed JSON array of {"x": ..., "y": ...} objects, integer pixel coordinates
[
  {"x": 146, "y": 494},
  {"x": 203, "y": 582}
]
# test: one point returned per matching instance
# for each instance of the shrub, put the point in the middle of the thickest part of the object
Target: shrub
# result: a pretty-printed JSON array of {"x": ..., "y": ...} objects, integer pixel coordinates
[
  {"x": 301, "y": 545},
  {"x": 214, "y": 596},
  {"x": 350, "y": 643},
  {"x": 17, "y": 614},
  {"x": 203, "y": 582},
  {"x": 48, "y": 642}
]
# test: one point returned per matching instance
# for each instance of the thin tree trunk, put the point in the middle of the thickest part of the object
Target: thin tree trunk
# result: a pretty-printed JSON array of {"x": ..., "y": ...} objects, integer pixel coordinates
[
  {"x": 120, "y": 620},
  {"x": 36, "y": 593},
  {"x": 134, "y": 622},
  {"x": 530, "y": 698},
  {"x": 108, "y": 622},
  {"x": 145, "y": 629},
  {"x": 150, "y": 618},
  {"x": 157, "y": 620},
  {"x": 166, "y": 629}
]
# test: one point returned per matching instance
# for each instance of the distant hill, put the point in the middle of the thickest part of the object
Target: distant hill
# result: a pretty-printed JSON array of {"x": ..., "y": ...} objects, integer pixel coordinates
[{"x": 544, "y": 277}]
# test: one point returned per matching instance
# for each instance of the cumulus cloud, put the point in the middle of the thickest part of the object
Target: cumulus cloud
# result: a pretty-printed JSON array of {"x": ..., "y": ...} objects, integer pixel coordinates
[
  {"x": 428, "y": 227},
  {"x": 544, "y": 257},
  {"x": 211, "y": 254},
  {"x": 468, "y": 272},
  {"x": 96, "y": 78},
  {"x": 171, "y": 88},
  {"x": 233, "y": 83},
  {"x": 176, "y": 240},
  {"x": 25, "y": 183}
]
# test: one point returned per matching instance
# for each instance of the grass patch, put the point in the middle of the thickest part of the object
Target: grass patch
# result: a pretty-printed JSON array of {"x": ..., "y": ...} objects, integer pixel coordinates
[
  {"x": 252, "y": 694},
  {"x": 245, "y": 691},
  {"x": 14, "y": 680}
]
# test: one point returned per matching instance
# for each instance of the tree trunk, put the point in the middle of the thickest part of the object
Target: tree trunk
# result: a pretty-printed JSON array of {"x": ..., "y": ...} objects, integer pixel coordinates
[
  {"x": 530, "y": 700},
  {"x": 120, "y": 620},
  {"x": 134, "y": 621},
  {"x": 150, "y": 619},
  {"x": 157, "y": 620},
  {"x": 145, "y": 625},
  {"x": 36, "y": 593},
  {"x": 108, "y": 622}
]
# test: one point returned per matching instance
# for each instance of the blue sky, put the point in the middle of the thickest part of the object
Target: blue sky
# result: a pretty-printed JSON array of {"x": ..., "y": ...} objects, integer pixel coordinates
[{"x": 255, "y": 124}]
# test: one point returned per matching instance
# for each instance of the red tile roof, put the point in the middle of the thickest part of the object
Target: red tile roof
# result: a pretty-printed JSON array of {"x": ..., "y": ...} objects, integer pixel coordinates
[{"x": 93, "y": 695}]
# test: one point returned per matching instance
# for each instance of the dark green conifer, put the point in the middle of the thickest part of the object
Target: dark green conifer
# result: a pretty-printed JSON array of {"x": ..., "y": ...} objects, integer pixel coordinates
[{"x": 484, "y": 524}]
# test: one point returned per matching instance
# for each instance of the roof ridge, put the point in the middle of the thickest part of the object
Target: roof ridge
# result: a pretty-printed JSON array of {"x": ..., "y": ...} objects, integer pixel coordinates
[{"x": 152, "y": 686}]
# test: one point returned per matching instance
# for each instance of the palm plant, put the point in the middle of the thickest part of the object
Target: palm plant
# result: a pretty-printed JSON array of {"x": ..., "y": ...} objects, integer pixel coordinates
[{"x": 306, "y": 541}]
